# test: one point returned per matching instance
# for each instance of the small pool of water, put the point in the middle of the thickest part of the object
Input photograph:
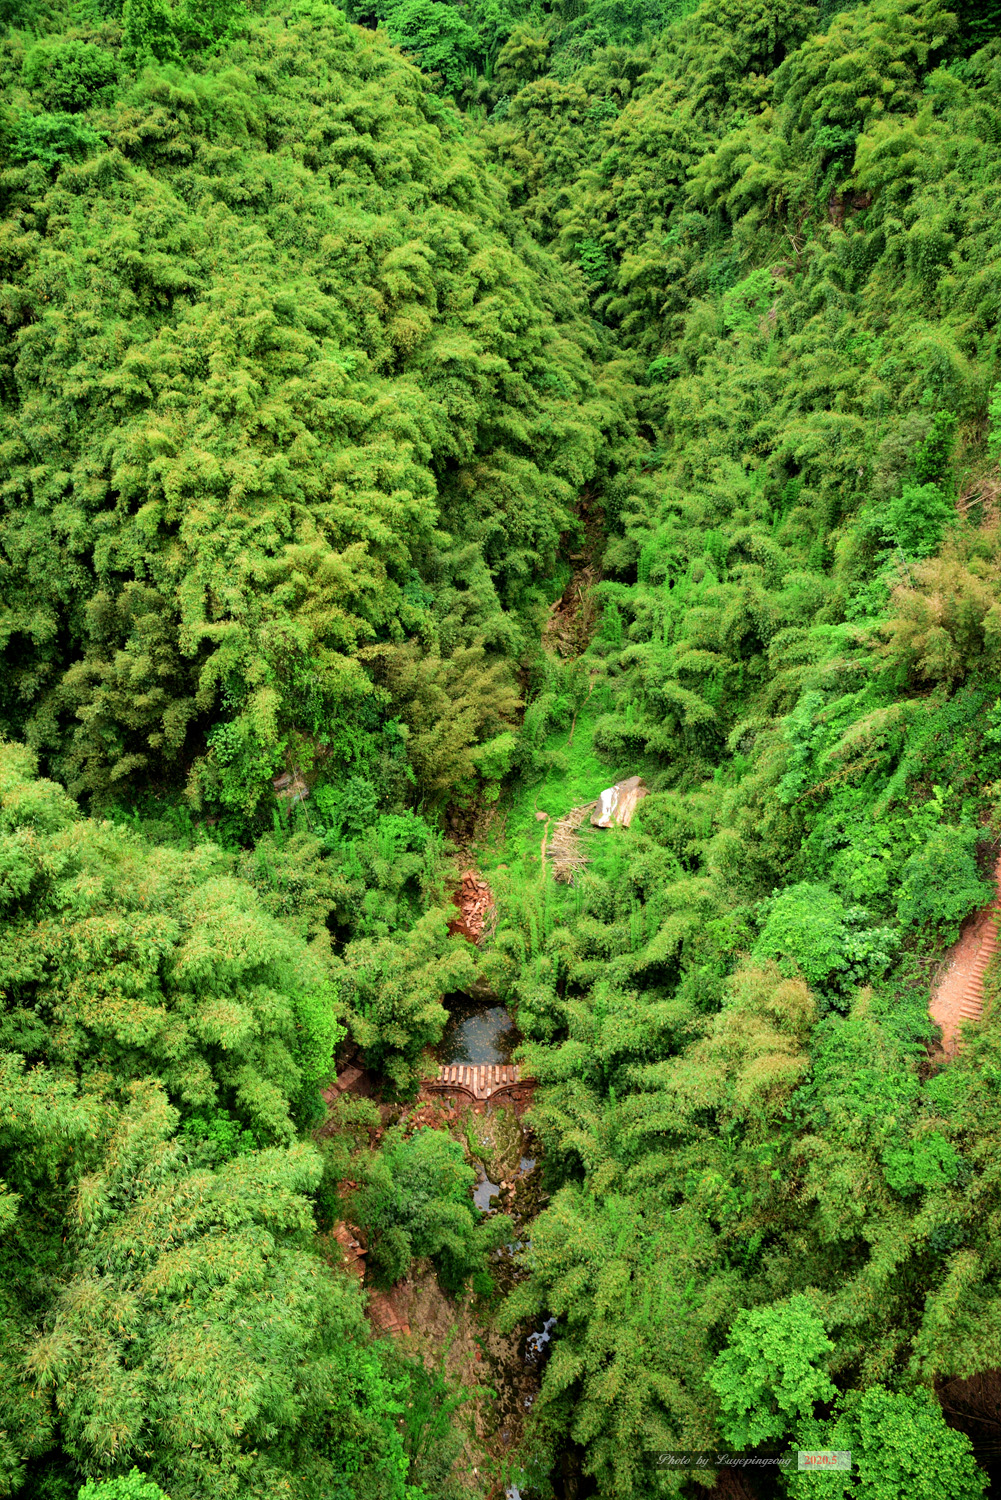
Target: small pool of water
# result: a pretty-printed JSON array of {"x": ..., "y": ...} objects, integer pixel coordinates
[
  {"x": 483, "y": 1192},
  {"x": 477, "y": 1034}
]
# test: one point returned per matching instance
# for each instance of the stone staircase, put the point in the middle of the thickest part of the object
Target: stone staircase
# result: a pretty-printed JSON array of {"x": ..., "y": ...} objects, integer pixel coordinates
[
  {"x": 383, "y": 1312},
  {"x": 958, "y": 996},
  {"x": 971, "y": 1005}
]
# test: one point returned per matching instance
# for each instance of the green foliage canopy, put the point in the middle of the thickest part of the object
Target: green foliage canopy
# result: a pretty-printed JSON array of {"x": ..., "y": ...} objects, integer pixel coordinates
[
  {"x": 771, "y": 1371},
  {"x": 417, "y": 1202},
  {"x": 259, "y": 460},
  {"x": 119, "y": 959}
]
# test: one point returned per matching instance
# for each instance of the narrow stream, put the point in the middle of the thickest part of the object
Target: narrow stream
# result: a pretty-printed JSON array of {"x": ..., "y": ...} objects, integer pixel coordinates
[{"x": 480, "y": 1032}]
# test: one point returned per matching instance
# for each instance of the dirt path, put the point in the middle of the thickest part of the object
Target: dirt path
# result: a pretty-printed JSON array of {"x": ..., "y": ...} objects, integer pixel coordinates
[{"x": 959, "y": 994}]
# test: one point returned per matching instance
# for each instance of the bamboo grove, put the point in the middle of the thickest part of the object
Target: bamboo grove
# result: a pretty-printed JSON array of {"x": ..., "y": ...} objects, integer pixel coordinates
[{"x": 332, "y": 346}]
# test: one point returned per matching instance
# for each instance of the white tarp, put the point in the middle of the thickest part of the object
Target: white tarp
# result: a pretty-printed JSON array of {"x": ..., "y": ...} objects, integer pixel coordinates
[{"x": 618, "y": 803}]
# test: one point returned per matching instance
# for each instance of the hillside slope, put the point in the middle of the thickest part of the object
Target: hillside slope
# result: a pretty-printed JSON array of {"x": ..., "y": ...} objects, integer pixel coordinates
[{"x": 286, "y": 388}]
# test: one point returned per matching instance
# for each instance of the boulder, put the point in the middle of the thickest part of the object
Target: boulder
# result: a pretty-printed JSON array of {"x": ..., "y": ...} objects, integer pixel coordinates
[{"x": 618, "y": 803}]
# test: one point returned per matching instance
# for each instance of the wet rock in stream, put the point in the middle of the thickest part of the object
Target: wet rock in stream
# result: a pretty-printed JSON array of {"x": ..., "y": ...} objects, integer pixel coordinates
[{"x": 535, "y": 1344}]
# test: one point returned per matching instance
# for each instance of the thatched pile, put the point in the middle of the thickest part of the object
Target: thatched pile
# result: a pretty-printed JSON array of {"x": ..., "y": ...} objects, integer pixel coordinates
[
  {"x": 565, "y": 850},
  {"x": 562, "y": 841}
]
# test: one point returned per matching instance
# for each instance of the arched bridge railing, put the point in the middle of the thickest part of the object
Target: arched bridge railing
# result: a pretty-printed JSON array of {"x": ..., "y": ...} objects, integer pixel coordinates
[{"x": 481, "y": 1083}]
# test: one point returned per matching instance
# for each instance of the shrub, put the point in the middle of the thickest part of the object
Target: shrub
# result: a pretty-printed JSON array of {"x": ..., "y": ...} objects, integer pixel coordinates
[
  {"x": 900, "y": 1445},
  {"x": 68, "y": 74},
  {"x": 51, "y": 138},
  {"x": 832, "y": 943},
  {"x": 215, "y": 1136},
  {"x": 770, "y": 1372},
  {"x": 417, "y": 1203},
  {"x": 132, "y": 1486},
  {"x": 916, "y": 517},
  {"x": 928, "y": 1162},
  {"x": 941, "y": 884},
  {"x": 148, "y": 31},
  {"x": 439, "y": 36}
]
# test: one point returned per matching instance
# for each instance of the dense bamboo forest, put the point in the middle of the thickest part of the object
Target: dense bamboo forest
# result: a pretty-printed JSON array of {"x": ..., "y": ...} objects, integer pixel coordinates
[{"x": 413, "y": 421}]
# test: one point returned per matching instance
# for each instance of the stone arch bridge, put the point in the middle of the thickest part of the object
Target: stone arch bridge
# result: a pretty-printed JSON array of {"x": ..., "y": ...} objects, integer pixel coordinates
[{"x": 481, "y": 1084}]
